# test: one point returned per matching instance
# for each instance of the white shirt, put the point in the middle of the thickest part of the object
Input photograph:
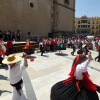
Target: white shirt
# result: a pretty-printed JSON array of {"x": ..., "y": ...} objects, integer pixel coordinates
[
  {"x": 41, "y": 44},
  {"x": 15, "y": 73},
  {"x": 73, "y": 42},
  {"x": 13, "y": 42},
  {"x": 99, "y": 43},
  {"x": 3, "y": 47},
  {"x": 4, "y": 56},
  {"x": 80, "y": 68},
  {"x": 93, "y": 43},
  {"x": 68, "y": 42}
]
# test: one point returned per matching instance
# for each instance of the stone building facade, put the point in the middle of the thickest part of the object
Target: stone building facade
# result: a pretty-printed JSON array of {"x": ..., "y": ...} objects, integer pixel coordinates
[
  {"x": 39, "y": 17},
  {"x": 87, "y": 25}
]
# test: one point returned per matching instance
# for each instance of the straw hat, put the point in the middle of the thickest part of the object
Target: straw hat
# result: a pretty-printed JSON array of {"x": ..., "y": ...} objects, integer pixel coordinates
[{"x": 11, "y": 59}]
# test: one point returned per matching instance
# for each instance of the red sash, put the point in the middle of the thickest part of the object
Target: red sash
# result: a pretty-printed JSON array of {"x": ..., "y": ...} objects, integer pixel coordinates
[{"x": 98, "y": 47}]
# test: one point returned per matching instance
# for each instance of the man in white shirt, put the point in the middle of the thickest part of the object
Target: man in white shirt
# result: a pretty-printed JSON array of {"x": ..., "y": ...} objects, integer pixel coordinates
[{"x": 15, "y": 75}]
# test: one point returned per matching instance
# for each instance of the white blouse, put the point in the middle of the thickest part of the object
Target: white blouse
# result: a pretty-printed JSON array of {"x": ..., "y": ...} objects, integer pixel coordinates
[{"x": 80, "y": 68}]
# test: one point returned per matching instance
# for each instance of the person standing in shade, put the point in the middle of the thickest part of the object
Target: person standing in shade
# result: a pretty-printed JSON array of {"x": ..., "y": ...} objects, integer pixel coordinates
[{"x": 16, "y": 68}]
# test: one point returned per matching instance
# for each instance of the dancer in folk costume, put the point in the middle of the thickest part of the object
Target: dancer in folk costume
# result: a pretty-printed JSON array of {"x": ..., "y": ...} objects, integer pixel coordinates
[
  {"x": 28, "y": 48},
  {"x": 42, "y": 47},
  {"x": 98, "y": 57},
  {"x": 16, "y": 68},
  {"x": 94, "y": 44},
  {"x": 47, "y": 48},
  {"x": 79, "y": 85},
  {"x": 73, "y": 47}
]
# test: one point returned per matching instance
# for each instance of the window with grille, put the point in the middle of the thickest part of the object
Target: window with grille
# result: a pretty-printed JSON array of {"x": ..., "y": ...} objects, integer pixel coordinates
[{"x": 31, "y": 4}]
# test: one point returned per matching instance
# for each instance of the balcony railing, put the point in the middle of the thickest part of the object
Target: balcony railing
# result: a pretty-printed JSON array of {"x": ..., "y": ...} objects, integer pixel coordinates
[{"x": 84, "y": 28}]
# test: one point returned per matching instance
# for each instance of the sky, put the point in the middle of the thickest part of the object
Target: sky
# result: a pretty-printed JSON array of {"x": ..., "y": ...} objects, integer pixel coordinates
[{"x": 90, "y": 8}]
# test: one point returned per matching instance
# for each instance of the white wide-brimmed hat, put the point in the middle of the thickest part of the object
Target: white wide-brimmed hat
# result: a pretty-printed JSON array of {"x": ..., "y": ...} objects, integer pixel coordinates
[{"x": 11, "y": 59}]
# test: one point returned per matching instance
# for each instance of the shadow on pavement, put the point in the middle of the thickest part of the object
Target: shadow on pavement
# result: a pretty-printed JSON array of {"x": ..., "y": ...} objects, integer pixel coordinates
[
  {"x": 31, "y": 57},
  {"x": 3, "y": 77},
  {"x": 4, "y": 66},
  {"x": 61, "y": 54},
  {"x": 46, "y": 56},
  {"x": 2, "y": 91}
]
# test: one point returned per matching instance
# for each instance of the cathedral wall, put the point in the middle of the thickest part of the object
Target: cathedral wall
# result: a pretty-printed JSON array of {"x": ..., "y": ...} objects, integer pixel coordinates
[
  {"x": 18, "y": 15},
  {"x": 34, "y": 16},
  {"x": 66, "y": 15}
]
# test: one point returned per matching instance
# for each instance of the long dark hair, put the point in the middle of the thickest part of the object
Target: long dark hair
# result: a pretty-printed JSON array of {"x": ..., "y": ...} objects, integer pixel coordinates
[{"x": 79, "y": 59}]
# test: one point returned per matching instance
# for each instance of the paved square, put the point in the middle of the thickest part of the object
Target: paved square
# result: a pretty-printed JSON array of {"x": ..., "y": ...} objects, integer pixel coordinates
[{"x": 44, "y": 72}]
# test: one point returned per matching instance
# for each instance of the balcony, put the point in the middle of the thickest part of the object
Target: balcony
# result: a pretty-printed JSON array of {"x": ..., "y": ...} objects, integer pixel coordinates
[{"x": 83, "y": 27}]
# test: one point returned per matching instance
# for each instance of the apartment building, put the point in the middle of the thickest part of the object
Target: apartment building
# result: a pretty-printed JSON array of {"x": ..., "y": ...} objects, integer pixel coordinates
[
  {"x": 87, "y": 25},
  {"x": 37, "y": 17}
]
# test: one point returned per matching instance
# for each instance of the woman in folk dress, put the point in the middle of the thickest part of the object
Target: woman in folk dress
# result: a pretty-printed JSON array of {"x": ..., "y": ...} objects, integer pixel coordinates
[{"x": 79, "y": 85}]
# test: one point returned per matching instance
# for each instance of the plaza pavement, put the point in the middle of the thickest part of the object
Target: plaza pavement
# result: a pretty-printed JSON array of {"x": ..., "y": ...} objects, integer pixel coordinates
[{"x": 44, "y": 72}]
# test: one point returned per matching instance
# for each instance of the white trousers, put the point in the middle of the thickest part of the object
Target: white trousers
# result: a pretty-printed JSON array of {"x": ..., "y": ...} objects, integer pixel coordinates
[{"x": 16, "y": 96}]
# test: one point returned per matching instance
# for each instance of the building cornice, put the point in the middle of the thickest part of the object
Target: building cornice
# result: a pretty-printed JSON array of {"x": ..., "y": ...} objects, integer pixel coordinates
[{"x": 64, "y": 6}]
